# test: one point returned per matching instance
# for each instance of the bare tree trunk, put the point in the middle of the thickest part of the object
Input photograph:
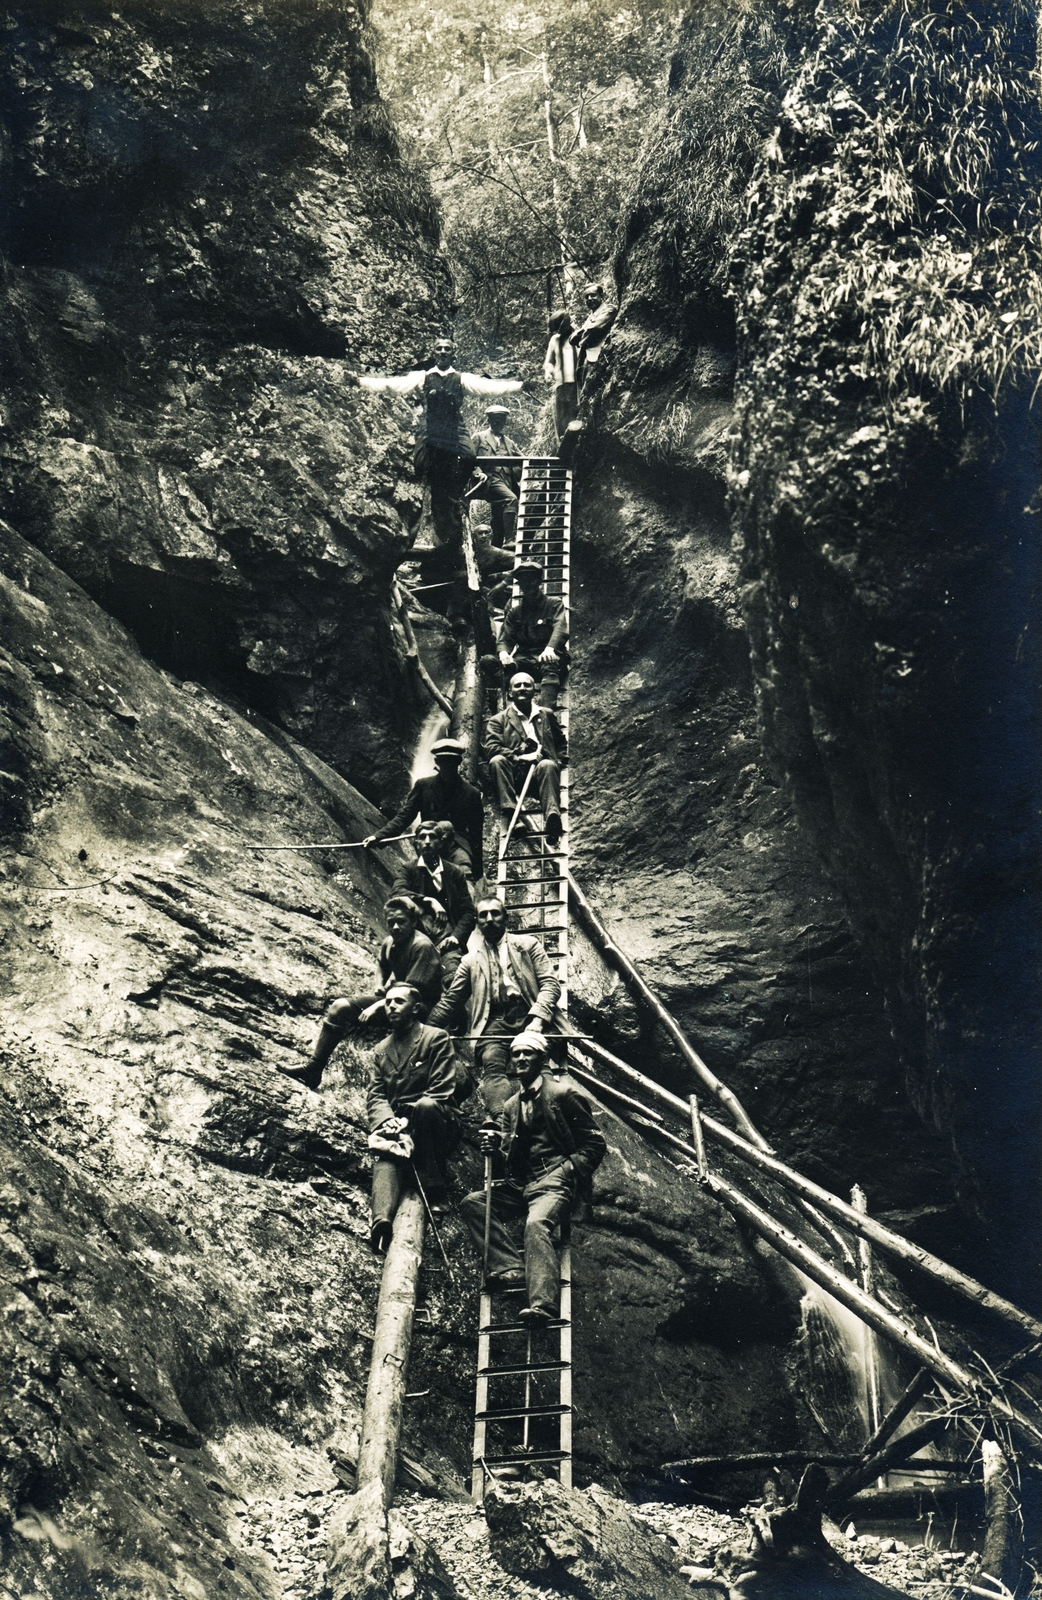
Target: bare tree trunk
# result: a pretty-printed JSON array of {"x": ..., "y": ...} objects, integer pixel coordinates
[{"x": 1003, "y": 1554}]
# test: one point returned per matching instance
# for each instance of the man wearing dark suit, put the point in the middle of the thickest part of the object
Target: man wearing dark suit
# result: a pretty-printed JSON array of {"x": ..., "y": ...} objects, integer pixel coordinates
[
  {"x": 432, "y": 877},
  {"x": 444, "y": 797},
  {"x": 535, "y": 634},
  {"x": 521, "y": 737},
  {"x": 409, "y": 1096},
  {"x": 504, "y": 985},
  {"x": 405, "y": 956},
  {"x": 551, "y": 1148}
]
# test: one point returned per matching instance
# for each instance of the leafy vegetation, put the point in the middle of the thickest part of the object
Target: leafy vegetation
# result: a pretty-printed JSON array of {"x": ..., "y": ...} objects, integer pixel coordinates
[{"x": 530, "y": 120}]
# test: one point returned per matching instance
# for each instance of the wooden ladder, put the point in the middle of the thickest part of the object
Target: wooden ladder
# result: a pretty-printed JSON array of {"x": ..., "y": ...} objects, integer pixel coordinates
[
  {"x": 532, "y": 880},
  {"x": 532, "y": 1376}
]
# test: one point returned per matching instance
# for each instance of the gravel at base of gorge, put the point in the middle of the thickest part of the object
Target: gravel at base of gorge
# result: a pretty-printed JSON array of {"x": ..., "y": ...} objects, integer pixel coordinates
[{"x": 290, "y": 1531}]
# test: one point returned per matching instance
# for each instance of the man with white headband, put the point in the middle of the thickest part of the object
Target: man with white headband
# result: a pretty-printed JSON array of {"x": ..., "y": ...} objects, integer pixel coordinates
[{"x": 551, "y": 1148}]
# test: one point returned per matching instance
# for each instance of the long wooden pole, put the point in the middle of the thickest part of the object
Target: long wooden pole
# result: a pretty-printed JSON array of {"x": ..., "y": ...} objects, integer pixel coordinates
[
  {"x": 864, "y": 1226},
  {"x": 899, "y": 1410},
  {"x": 412, "y": 651},
  {"x": 892, "y": 1455},
  {"x": 604, "y": 942},
  {"x": 851, "y": 1295},
  {"x": 384, "y": 1397},
  {"x": 869, "y": 1310}
]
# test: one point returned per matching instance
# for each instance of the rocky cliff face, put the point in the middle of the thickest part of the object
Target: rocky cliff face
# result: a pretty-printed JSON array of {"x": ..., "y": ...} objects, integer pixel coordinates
[
  {"x": 882, "y": 571},
  {"x": 190, "y": 1293},
  {"x": 685, "y": 823},
  {"x": 196, "y": 658},
  {"x": 210, "y": 222}
]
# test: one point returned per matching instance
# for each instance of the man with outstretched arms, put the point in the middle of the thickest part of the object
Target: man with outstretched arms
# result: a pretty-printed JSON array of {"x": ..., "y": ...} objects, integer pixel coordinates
[
  {"x": 551, "y": 1148},
  {"x": 520, "y": 738},
  {"x": 412, "y": 1121},
  {"x": 504, "y": 985},
  {"x": 446, "y": 796},
  {"x": 445, "y": 453}
]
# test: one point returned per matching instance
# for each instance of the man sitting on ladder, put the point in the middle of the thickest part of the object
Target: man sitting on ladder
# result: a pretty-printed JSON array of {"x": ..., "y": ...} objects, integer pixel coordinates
[
  {"x": 508, "y": 986},
  {"x": 522, "y": 738},
  {"x": 413, "y": 1124},
  {"x": 551, "y": 1148}
]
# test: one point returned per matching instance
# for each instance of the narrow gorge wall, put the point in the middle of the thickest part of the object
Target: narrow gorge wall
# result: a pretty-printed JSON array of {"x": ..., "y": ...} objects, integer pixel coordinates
[
  {"x": 865, "y": 519},
  {"x": 207, "y": 216}
]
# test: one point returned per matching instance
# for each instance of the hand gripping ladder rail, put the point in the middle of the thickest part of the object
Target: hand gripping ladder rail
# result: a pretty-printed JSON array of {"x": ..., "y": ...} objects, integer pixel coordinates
[{"x": 531, "y": 1373}]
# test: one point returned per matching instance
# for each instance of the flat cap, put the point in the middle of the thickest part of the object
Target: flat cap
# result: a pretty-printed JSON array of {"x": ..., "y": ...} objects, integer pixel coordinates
[
  {"x": 448, "y": 747},
  {"x": 529, "y": 566},
  {"x": 497, "y": 411}
]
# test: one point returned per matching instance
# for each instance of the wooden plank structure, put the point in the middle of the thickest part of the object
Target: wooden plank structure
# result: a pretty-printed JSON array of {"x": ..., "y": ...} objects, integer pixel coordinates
[{"x": 530, "y": 1393}]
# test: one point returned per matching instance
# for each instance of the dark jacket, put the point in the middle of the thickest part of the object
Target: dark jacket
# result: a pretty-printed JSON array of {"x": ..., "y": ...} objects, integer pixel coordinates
[
  {"x": 415, "y": 962},
  {"x": 569, "y": 1121},
  {"x": 405, "y": 1070},
  {"x": 529, "y": 628},
  {"x": 453, "y": 894},
  {"x": 443, "y": 425},
  {"x": 487, "y": 444},
  {"x": 433, "y": 800},
  {"x": 477, "y": 978},
  {"x": 505, "y": 733}
]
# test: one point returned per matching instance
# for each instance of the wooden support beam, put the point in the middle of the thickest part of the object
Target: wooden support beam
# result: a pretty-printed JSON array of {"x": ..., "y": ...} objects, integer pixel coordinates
[
  {"x": 892, "y": 1455},
  {"x": 382, "y": 1418},
  {"x": 607, "y": 946},
  {"x": 864, "y": 1226},
  {"x": 899, "y": 1410},
  {"x": 1002, "y": 1553}
]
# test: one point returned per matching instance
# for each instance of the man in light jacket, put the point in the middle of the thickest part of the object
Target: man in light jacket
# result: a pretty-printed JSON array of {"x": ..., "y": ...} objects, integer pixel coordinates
[
  {"x": 522, "y": 736},
  {"x": 504, "y": 986}
]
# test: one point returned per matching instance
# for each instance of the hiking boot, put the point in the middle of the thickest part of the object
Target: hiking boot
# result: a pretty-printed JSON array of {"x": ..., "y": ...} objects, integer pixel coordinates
[
  {"x": 380, "y": 1237},
  {"x": 553, "y": 829},
  {"x": 310, "y": 1076}
]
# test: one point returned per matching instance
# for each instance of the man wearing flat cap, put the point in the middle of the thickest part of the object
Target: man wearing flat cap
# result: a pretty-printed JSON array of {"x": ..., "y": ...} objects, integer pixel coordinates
[
  {"x": 501, "y": 484},
  {"x": 444, "y": 797},
  {"x": 434, "y": 877},
  {"x": 535, "y": 633},
  {"x": 550, "y": 1148}
]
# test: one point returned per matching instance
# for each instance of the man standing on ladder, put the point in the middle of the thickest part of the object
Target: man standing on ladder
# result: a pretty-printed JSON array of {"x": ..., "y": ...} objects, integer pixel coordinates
[
  {"x": 523, "y": 738},
  {"x": 444, "y": 797},
  {"x": 551, "y": 1148},
  {"x": 445, "y": 453},
  {"x": 508, "y": 986},
  {"x": 500, "y": 485},
  {"x": 413, "y": 1126}
]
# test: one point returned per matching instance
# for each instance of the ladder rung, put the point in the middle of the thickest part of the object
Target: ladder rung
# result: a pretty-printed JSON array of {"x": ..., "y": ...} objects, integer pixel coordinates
[
  {"x": 506, "y": 1413},
  {"x": 522, "y": 1327},
  {"x": 524, "y": 1459},
  {"x": 521, "y": 1371}
]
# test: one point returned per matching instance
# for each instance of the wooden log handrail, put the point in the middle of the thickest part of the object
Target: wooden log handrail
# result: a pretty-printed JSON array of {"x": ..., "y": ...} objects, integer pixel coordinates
[
  {"x": 867, "y": 1227},
  {"x": 606, "y": 944}
]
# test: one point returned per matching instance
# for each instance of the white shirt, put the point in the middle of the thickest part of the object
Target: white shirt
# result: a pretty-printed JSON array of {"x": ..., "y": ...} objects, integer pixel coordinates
[
  {"x": 509, "y": 981},
  {"x": 411, "y": 381}
]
